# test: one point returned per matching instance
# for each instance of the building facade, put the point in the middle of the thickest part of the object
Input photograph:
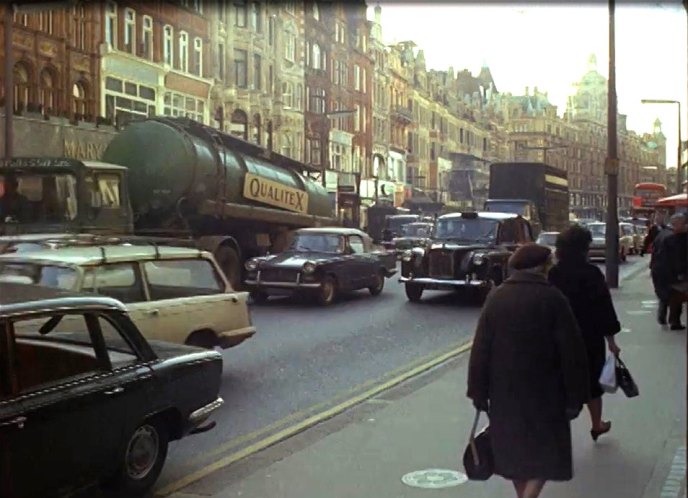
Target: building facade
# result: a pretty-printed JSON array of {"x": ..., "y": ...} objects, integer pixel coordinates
[
  {"x": 155, "y": 60},
  {"x": 56, "y": 83}
]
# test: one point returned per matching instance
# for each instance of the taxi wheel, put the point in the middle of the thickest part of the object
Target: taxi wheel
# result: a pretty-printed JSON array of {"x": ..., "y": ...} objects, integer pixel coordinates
[
  {"x": 258, "y": 297},
  {"x": 376, "y": 289},
  {"x": 414, "y": 292},
  {"x": 142, "y": 461},
  {"x": 327, "y": 291},
  {"x": 229, "y": 261}
]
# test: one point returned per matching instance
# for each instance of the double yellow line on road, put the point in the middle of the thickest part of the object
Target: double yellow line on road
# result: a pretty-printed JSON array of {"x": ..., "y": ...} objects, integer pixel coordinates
[{"x": 408, "y": 371}]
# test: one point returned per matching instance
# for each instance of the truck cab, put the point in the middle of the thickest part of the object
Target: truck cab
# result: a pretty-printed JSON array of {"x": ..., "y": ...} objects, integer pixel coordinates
[
  {"x": 523, "y": 207},
  {"x": 61, "y": 195}
]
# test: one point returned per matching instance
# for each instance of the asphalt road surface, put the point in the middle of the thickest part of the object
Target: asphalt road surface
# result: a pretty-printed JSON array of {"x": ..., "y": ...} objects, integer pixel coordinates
[{"x": 303, "y": 355}]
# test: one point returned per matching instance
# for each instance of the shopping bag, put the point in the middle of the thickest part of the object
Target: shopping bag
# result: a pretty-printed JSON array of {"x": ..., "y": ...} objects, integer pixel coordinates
[
  {"x": 625, "y": 380},
  {"x": 608, "y": 380},
  {"x": 478, "y": 460}
]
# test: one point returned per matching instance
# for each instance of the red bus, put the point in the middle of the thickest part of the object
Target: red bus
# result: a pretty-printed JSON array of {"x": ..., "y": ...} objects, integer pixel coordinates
[{"x": 645, "y": 197}]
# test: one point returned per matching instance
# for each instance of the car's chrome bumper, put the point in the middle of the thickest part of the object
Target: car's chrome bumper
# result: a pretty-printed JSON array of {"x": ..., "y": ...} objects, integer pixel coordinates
[
  {"x": 439, "y": 283},
  {"x": 199, "y": 416},
  {"x": 282, "y": 285},
  {"x": 235, "y": 337}
]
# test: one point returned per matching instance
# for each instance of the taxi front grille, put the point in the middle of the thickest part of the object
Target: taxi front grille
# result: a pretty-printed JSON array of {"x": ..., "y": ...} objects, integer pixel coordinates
[{"x": 441, "y": 264}]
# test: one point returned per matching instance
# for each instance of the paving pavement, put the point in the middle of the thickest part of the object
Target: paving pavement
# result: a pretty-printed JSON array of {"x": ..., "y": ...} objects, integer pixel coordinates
[{"x": 423, "y": 425}]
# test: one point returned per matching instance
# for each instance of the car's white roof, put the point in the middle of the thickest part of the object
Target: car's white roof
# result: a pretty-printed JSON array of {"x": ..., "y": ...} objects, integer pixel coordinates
[
  {"x": 483, "y": 215},
  {"x": 93, "y": 255}
]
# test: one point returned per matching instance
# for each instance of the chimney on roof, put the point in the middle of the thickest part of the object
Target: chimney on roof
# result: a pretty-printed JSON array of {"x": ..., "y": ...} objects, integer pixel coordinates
[
  {"x": 527, "y": 91},
  {"x": 535, "y": 91}
]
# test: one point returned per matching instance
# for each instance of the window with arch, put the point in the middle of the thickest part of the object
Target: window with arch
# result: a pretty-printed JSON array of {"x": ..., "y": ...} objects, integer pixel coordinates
[
  {"x": 168, "y": 46},
  {"x": 184, "y": 51},
  {"x": 316, "y": 60},
  {"x": 147, "y": 38},
  {"x": 316, "y": 11},
  {"x": 290, "y": 43},
  {"x": 79, "y": 28},
  {"x": 47, "y": 89},
  {"x": 256, "y": 130},
  {"x": 198, "y": 57},
  {"x": 130, "y": 30},
  {"x": 111, "y": 23},
  {"x": 239, "y": 124},
  {"x": 79, "y": 101},
  {"x": 287, "y": 145},
  {"x": 21, "y": 86}
]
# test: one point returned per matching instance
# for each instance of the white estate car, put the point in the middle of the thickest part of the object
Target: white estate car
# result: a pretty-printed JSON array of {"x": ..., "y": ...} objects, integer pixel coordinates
[{"x": 173, "y": 294}]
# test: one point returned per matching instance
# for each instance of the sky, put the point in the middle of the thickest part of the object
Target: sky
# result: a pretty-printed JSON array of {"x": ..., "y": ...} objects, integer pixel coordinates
[{"x": 548, "y": 47}]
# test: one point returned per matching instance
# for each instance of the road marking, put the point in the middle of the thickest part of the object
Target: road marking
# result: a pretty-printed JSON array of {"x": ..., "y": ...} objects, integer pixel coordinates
[
  {"x": 309, "y": 422},
  {"x": 625, "y": 330},
  {"x": 259, "y": 433},
  {"x": 638, "y": 312}
]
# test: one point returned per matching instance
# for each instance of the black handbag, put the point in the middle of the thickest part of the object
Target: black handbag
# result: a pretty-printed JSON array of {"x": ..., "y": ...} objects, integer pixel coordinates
[
  {"x": 625, "y": 380},
  {"x": 478, "y": 460}
]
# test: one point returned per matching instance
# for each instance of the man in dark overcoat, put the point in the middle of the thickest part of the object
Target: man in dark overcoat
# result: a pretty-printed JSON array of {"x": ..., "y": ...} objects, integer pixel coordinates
[
  {"x": 662, "y": 270},
  {"x": 528, "y": 370}
]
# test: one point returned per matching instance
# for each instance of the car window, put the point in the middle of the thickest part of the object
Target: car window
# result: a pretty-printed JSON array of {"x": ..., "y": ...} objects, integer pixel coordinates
[
  {"x": 170, "y": 279},
  {"x": 45, "y": 275},
  {"x": 119, "y": 350},
  {"x": 117, "y": 280},
  {"x": 53, "y": 349},
  {"x": 509, "y": 232},
  {"x": 356, "y": 244}
]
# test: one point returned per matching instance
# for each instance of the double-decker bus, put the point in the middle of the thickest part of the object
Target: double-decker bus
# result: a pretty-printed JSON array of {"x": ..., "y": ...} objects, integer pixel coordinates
[{"x": 645, "y": 197}]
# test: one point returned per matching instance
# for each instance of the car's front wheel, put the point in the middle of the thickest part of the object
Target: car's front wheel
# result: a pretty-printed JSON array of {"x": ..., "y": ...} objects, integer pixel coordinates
[
  {"x": 259, "y": 297},
  {"x": 376, "y": 289},
  {"x": 327, "y": 291},
  {"x": 414, "y": 292},
  {"x": 142, "y": 461}
]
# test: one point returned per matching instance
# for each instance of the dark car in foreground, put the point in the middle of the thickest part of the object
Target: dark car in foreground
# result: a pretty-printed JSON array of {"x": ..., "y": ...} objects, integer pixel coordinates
[
  {"x": 85, "y": 399},
  {"x": 322, "y": 263},
  {"x": 468, "y": 250}
]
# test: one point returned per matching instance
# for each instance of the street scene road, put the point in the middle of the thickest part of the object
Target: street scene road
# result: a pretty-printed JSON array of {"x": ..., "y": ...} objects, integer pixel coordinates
[{"x": 304, "y": 359}]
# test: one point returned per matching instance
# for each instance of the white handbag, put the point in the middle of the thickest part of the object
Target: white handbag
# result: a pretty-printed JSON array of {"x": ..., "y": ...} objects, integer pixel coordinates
[{"x": 608, "y": 381}]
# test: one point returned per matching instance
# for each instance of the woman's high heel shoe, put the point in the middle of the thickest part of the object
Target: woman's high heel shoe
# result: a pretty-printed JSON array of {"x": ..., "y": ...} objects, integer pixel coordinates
[{"x": 606, "y": 427}]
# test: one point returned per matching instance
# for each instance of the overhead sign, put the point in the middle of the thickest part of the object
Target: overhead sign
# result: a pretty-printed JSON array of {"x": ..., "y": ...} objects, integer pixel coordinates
[{"x": 275, "y": 194}]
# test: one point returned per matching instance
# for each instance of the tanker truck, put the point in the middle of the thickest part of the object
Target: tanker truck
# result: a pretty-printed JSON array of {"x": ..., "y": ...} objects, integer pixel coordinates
[{"x": 186, "y": 181}]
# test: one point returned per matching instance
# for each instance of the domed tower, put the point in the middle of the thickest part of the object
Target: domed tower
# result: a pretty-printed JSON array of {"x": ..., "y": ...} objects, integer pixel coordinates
[
  {"x": 590, "y": 99},
  {"x": 659, "y": 138}
]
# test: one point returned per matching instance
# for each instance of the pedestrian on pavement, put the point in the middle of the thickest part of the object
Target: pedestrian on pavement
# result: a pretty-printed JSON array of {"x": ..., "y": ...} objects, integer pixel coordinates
[
  {"x": 652, "y": 230},
  {"x": 528, "y": 371},
  {"x": 664, "y": 272},
  {"x": 586, "y": 289}
]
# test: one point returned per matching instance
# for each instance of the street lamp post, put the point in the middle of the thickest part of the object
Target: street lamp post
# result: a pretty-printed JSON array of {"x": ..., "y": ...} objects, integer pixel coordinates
[
  {"x": 612, "y": 166},
  {"x": 679, "y": 189}
]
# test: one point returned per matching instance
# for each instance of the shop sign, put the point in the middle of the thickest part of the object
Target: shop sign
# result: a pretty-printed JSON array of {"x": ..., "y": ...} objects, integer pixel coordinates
[
  {"x": 275, "y": 194},
  {"x": 85, "y": 151}
]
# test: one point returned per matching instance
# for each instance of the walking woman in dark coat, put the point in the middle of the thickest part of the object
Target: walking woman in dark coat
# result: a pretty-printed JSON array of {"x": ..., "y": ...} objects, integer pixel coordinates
[
  {"x": 528, "y": 371},
  {"x": 586, "y": 289}
]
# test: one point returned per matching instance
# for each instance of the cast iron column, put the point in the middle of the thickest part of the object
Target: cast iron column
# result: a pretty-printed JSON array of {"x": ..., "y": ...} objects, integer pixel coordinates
[{"x": 612, "y": 166}]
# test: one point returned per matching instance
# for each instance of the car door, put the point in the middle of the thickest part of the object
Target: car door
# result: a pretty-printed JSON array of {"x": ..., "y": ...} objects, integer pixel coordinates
[
  {"x": 64, "y": 422},
  {"x": 363, "y": 262},
  {"x": 187, "y": 296}
]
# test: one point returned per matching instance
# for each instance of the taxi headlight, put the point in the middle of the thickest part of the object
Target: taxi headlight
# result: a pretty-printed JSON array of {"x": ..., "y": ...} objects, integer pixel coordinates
[
  {"x": 478, "y": 259},
  {"x": 308, "y": 267},
  {"x": 251, "y": 265},
  {"x": 407, "y": 256}
]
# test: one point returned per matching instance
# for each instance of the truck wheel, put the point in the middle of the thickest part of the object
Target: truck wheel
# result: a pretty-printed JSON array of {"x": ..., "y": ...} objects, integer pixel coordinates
[
  {"x": 142, "y": 461},
  {"x": 327, "y": 291},
  {"x": 414, "y": 292},
  {"x": 376, "y": 289},
  {"x": 229, "y": 262}
]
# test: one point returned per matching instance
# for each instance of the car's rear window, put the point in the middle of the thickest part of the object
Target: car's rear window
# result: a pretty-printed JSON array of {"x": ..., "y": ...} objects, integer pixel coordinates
[
  {"x": 170, "y": 279},
  {"x": 45, "y": 275}
]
